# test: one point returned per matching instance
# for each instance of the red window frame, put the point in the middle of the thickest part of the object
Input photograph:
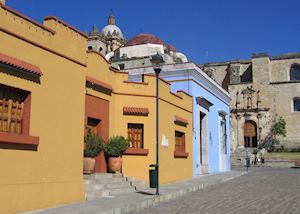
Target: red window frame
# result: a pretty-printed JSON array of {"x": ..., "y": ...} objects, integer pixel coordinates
[
  {"x": 180, "y": 151},
  {"x": 15, "y": 116}
]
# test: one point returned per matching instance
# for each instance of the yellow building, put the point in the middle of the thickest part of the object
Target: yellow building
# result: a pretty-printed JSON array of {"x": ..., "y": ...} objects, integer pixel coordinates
[{"x": 50, "y": 88}]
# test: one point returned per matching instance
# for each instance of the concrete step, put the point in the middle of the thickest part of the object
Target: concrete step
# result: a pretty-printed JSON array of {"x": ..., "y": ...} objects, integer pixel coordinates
[
  {"x": 117, "y": 185},
  {"x": 119, "y": 191},
  {"x": 104, "y": 184},
  {"x": 97, "y": 194},
  {"x": 96, "y": 187},
  {"x": 103, "y": 175},
  {"x": 110, "y": 180}
]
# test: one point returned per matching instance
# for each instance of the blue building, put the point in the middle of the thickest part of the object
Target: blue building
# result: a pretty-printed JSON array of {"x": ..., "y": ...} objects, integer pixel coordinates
[{"x": 211, "y": 128}]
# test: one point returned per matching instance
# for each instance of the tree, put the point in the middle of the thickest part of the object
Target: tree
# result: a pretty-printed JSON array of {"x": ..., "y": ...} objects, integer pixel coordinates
[{"x": 277, "y": 132}]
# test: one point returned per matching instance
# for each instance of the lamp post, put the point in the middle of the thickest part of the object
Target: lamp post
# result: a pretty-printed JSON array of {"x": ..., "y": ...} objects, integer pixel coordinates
[
  {"x": 156, "y": 61},
  {"x": 247, "y": 117}
]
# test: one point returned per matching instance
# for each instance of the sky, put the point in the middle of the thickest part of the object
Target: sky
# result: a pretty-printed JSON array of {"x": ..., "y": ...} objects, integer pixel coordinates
[{"x": 204, "y": 30}]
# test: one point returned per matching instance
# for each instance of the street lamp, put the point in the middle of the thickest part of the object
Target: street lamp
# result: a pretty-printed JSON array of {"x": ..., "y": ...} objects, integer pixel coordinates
[
  {"x": 247, "y": 117},
  {"x": 157, "y": 60}
]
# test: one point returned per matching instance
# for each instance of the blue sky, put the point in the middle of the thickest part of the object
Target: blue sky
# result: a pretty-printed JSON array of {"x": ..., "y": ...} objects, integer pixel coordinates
[{"x": 204, "y": 30}]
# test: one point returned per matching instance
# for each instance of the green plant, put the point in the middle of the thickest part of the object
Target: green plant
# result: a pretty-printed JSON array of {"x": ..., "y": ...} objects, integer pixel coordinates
[
  {"x": 116, "y": 146},
  {"x": 277, "y": 131},
  {"x": 279, "y": 127},
  {"x": 94, "y": 144}
]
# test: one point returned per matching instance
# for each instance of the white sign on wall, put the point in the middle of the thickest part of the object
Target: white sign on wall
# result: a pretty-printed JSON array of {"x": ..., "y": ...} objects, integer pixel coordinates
[{"x": 164, "y": 141}]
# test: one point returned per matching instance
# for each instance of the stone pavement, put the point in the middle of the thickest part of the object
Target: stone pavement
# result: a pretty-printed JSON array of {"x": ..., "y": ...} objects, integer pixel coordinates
[
  {"x": 262, "y": 190},
  {"x": 133, "y": 202}
]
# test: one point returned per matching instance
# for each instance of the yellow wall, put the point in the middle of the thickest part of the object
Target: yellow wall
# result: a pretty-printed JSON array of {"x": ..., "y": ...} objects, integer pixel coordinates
[
  {"x": 171, "y": 169},
  {"x": 52, "y": 175}
]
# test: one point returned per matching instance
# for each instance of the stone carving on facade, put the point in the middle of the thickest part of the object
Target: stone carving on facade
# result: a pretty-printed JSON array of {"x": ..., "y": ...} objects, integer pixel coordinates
[{"x": 248, "y": 94}]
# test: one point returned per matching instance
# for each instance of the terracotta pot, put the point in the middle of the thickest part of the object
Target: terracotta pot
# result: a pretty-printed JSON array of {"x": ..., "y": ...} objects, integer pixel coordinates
[
  {"x": 114, "y": 164},
  {"x": 88, "y": 165}
]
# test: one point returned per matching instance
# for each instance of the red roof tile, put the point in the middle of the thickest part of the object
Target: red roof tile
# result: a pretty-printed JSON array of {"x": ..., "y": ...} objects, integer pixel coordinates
[
  {"x": 171, "y": 48},
  {"x": 19, "y": 64},
  {"x": 144, "y": 39},
  {"x": 135, "y": 111},
  {"x": 180, "y": 120},
  {"x": 99, "y": 83}
]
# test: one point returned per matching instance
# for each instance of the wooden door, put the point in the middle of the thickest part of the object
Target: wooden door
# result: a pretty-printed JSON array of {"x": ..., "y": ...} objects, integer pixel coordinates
[{"x": 250, "y": 134}]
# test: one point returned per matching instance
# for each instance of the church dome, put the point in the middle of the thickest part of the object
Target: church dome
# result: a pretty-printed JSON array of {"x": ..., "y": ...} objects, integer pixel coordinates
[
  {"x": 144, "y": 39},
  {"x": 112, "y": 29}
]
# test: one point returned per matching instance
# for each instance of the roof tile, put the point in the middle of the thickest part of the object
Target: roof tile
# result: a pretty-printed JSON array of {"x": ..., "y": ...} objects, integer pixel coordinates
[{"x": 19, "y": 64}]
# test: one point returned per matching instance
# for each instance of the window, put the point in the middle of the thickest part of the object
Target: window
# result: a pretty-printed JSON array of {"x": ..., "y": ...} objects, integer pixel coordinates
[
  {"x": 136, "y": 140},
  {"x": 12, "y": 110},
  {"x": 295, "y": 72},
  {"x": 296, "y": 102},
  {"x": 93, "y": 125},
  {"x": 15, "y": 119},
  {"x": 180, "y": 145},
  {"x": 136, "y": 135},
  {"x": 179, "y": 141},
  {"x": 90, "y": 48},
  {"x": 100, "y": 49},
  {"x": 122, "y": 66}
]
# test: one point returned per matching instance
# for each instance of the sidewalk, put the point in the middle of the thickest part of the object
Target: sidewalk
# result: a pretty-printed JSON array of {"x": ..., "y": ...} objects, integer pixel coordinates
[{"x": 132, "y": 202}]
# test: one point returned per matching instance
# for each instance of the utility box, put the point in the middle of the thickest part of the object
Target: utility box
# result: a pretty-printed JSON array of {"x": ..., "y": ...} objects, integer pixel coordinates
[{"x": 153, "y": 176}]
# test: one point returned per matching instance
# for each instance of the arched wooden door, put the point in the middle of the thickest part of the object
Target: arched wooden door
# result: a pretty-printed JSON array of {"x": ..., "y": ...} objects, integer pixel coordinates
[{"x": 250, "y": 134}]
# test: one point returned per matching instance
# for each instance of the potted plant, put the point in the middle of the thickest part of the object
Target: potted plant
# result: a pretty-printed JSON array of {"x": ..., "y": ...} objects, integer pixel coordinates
[
  {"x": 93, "y": 144},
  {"x": 114, "y": 150}
]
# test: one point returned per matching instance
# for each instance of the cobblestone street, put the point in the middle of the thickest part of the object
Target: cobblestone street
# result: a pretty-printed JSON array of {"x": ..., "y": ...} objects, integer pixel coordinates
[{"x": 263, "y": 190}]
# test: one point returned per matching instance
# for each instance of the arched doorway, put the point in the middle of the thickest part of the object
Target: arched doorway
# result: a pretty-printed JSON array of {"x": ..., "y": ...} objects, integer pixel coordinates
[{"x": 250, "y": 134}]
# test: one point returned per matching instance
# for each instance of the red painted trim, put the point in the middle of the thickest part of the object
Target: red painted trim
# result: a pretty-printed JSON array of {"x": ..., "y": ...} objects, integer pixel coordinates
[
  {"x": 66, "y": 24},
  {"x": 99, "y": 83},
  {"x": 137, "y": 151},
  {"x": 176, "y": 95},
  {"x": 42, "y": 47},
  {"x": 180, "y": 120},
  {"x": 135, "y": 111},
  {"x": 181, "y": 91},
  {"x": 27, "y": 18},
  {"x": 26, "y": 115},
  {"x": 179, "y": 154},
  {"x": 19, "y": 64},
  {"x": 140, "y": 83},
  {"x": 152, "y": 96},
  {"x": 92, "y": 106},
  {"x": 18, "y": 139}
]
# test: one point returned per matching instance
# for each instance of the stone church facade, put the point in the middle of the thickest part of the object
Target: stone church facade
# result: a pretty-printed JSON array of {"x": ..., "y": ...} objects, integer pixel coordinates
[{"x": 265, "y": 88}]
